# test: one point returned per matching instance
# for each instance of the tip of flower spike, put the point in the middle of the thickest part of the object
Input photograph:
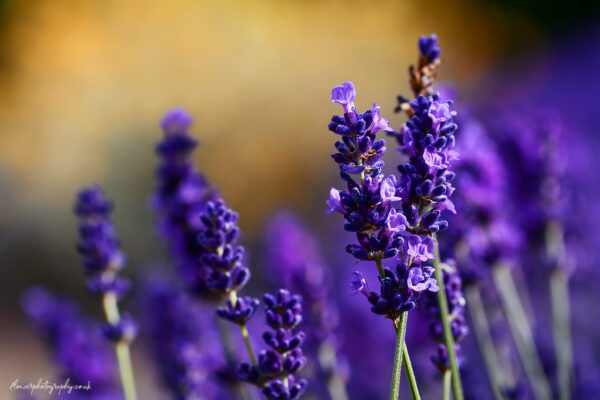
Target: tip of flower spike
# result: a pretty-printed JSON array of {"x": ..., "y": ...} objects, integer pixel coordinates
[
  {"x": 429, "y": 47},
  {"x": 343, "y": 94},
  {"x": 91, "y": 201},
  {"x": 177, "y": 120}
]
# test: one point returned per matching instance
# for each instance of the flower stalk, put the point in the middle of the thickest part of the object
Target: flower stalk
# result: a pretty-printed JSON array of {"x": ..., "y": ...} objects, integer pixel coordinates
[{"x": 448, "y": 338}]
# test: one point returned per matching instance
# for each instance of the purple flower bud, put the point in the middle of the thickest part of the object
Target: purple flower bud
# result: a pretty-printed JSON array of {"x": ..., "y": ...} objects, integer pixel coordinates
[{"x": 429, "y": 47}]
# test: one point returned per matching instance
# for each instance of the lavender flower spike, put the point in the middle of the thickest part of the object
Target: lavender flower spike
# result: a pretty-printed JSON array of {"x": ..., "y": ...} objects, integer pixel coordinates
[
  {"x": 102, "y": 261},
  {"x": 276, "y": 365},
  {"x": 181, "y": 194}
]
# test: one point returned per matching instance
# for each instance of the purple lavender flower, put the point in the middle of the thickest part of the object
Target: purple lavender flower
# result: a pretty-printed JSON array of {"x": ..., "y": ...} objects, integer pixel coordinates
[
  {"x": 366, "y": 203},
  {"x": 221, "y": 266},
  {"x": 98, "y": 244},
  {"x": 424, "y": 185},
  {"x": 180, "y": 196},
  {"x": 344, "y": 95},
  {"x": 456, "y": 309},
  {"x": 74, "y": 341},
  {"x": 183, "y": 341},
  {"x": 420, "y": 248},
  {"x": 276, "y": 365}
]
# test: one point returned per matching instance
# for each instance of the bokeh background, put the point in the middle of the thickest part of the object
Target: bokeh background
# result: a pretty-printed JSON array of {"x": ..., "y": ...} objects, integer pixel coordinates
[{"x": 83, "y": 85}]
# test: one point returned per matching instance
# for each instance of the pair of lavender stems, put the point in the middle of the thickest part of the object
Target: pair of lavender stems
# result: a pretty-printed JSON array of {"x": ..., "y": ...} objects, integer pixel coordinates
[{"x": 397, "y": 219}]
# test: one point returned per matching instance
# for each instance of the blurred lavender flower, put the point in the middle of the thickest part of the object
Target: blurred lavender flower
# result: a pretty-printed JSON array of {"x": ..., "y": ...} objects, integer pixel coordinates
[
  {"x": 458, "y": 324},
  {"x": 75, "y": 343},
  {"x": 98, "y": 244},
  {"x": 294, "y": 257},
  {"x": 180, "y": 196},
  {"x": 276, "y": 366},
  {"x": 183, "y": 341}
]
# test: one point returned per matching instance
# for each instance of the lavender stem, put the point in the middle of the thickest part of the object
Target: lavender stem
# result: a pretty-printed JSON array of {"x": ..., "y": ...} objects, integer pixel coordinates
[
  {"x": 561, "y": 318},
  {"x": 243, "y": 329},
  {"x": 484, "y": 339},
  {"x": 559, "y": 291},
  {"x": 111, "y": 310},
  {"x": 410, "y": 374},
  {"x": 447, "y": 386},
  {"x": 397, "y": 370},
  {"x": 521, "y": 331},
  {"x": 448, "y": 338}
]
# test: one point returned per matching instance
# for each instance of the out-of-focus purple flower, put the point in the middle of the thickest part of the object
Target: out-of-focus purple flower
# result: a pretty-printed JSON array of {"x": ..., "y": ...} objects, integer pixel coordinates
[
  {"x": 240, "y": 312},
  {"x": 429, "y": 47},
  {"x": 180, "y": 196},
  {"x": 74, "y": 341},
  {"x": 284, "y": 358},
  {"x": 458, "y": 324},
  {"x": 183, "y": 341},
  {"x": 294, "y": 260},
  {"x": 98, "y": 244},
  {"x": 358, "y": 283},
  {"x": 126, "y": 330}
]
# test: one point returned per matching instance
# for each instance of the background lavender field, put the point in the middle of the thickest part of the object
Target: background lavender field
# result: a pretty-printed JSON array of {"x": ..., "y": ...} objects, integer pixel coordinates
[{"x": 84, "y": 85}]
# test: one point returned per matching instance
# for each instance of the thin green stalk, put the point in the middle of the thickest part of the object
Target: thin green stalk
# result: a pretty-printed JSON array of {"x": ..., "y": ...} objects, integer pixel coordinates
[
  {"x": 559, "y": 291},
  {"x": 447, "y": 387},
  {"x": 484, "y": 339},
  {"x": 521, "y": 332},
  {"x": 410, "y": 375},
  {"x": 243, "y": 329},
  {"x": 448, "y": 338},
  {"x": 397, "y": 371},
  {"x": 111, "y": 310},
  {"x": 336, "y": 386},
  {"x": 561, "y": 309}
]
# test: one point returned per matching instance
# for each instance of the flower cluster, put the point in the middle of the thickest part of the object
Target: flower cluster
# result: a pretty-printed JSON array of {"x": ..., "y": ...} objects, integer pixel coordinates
[
  {"x": 102, "y": 257},
  {"x": 366, "y": 204},
  {"x": 458, "y": 324},
  {"x": 74, "y": 341},
  {"x": 276, "y": 365},
  {"x": 294, "y": 258},
  {"x": 98, "y": 244},
  {"x": 180, "y": 196},
  {"x": 427, "y": 138}
]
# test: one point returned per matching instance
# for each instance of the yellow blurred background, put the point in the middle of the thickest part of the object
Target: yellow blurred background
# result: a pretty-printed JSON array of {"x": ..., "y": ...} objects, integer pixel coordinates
[{"x": 84, "y": 84}]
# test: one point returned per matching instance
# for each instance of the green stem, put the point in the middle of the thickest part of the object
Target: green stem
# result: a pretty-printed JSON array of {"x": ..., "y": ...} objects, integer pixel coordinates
[
  {"x": 379, "y": 267},
  {"x": 447, "y": 388},
  {"x": 111, "y": 310},
  {"x": 397, "y": 371},
  {"x": 410, "y": 374},
  {"x": 521, "y": 331},
  {"x": 561, "y": 309},
  {"x": 559, "y": 290},
  {"x": 336, "y": 386},
  {"x": 484, "y": 338},
  {"x": 243, "y": 329},
  {"x": 448, "y": 338}
]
